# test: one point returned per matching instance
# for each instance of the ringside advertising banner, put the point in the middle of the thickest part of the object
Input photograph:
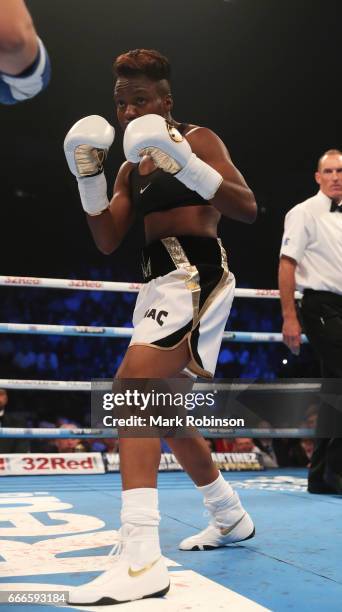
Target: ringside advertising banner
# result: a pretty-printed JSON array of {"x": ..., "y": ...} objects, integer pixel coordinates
[
  {"x": 226, "y": 462},
  {"x": 51, "y": 463}
]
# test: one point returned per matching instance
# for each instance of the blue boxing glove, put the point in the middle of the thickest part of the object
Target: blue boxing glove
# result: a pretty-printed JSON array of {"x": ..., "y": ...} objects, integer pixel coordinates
[{"x": 20, "y": 87}]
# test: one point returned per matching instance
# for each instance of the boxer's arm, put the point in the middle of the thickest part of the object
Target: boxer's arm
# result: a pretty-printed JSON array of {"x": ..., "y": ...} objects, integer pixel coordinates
[
  {"x": 287, "y": 286},
  {"x": 200, "y": 161},
  {"x": 233, "y": 198},
  {"x": 18, "y": 37},
  {"x": 110, "y": 227}
]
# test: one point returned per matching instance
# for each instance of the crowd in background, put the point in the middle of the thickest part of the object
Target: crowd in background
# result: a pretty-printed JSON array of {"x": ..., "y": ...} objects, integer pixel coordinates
[{"x": 83, "y": 358}]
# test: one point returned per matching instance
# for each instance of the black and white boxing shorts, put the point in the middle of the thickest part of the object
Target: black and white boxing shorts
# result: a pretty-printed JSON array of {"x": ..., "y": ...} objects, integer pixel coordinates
[{"x": 188, "y": 294}]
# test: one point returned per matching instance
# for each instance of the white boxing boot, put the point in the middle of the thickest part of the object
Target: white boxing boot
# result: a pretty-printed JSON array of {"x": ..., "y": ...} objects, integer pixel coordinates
[
  {"x": 230, "y": 523},
  {"x": 138, "y": 571},
  {"x": 215, "y": 537}
]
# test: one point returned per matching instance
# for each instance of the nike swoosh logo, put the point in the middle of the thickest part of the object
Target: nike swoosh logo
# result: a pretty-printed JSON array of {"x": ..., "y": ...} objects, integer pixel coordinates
[
  {"x": 226, "y": 530},
  {"x": 142, "y": 189},
  {"x": 134, "y": 573}
]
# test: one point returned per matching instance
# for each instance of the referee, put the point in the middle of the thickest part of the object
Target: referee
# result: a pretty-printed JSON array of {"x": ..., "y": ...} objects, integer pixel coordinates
[{"x": 311, "y": 262}]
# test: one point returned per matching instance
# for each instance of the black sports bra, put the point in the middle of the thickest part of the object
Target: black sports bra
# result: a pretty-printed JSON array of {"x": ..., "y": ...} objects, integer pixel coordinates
[{"x": 160, "y": 190}]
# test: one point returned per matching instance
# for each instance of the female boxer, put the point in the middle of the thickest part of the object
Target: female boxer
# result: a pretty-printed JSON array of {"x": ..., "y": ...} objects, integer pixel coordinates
[{"x": 180, "y": 178}]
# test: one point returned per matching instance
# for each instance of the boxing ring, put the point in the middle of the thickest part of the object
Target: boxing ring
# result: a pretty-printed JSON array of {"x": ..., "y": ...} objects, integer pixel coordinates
[{"x": 56, "y": 531}]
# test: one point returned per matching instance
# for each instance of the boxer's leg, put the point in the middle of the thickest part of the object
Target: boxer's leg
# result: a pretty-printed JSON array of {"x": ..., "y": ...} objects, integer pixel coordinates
[
  {"x": 140, "y": 570},
  {"x": 229, "y": 521}
]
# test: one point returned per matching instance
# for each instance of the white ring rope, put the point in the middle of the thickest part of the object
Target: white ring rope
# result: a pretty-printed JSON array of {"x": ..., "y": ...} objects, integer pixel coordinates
[
  {"x": 124, "y": 332},
  {"x": 95, "y": 285},
  {"x": 63, "y": 385},
  {"x": 65, "y": 330},
  {"x": 21, "y": 432},
  {"x": 74, "y": 385},
  {"x": 118, "y": 332},
  {"x": 45, "y": 385}
]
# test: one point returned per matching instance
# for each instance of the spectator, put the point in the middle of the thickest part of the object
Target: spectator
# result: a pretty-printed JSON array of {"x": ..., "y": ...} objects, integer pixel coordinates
[
  {"x": 112, "y": 445},
  {"x": 11, "y": 445},
  {"x": 223, "y": 445},
  {"x": 311, "y": 416},
  {"x": 244, "y": 445},
  {"x": 266, "y": 447},
  {"x": 70, "y": 445},
  {"x": 26, "y": 359},
  {"x": 301, "y": 453}
]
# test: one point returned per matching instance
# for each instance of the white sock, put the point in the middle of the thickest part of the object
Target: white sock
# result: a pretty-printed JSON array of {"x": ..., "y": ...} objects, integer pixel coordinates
[
  {"x": 217, "y": 489},
  {"x": 140, "y": 507},
  {"x": 222, "y": 502},
  {"x": 140, "y": 520}
]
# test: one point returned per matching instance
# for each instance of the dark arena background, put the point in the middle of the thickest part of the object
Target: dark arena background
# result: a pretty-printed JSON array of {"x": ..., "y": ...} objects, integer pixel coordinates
[{"x": 265, "y": 76}]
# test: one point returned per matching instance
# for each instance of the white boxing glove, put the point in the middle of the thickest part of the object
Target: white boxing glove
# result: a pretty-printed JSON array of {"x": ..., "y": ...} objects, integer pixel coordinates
[
  {"x": 153, "y": 135},
  {"x": 86, "y": 146}
]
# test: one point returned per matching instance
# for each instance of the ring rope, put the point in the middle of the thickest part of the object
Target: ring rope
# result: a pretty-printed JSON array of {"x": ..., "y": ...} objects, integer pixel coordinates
[
  {"x": 74, "y": 385},
  {"x": 124, "y": 332},
  {"x": 95, "y": 285},
  {"x": 69, "y": 330},
  {"x": 21, "y": 432}
]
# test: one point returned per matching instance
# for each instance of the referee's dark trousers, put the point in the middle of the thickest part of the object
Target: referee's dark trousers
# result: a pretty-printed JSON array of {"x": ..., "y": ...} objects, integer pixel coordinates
[{"x": 321, "y": 313}]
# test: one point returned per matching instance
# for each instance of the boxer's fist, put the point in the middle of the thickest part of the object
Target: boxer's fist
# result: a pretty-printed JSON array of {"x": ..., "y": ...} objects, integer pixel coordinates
[
  {"x": 153, "y": 135},
  {"x": 86, "y": 145}
]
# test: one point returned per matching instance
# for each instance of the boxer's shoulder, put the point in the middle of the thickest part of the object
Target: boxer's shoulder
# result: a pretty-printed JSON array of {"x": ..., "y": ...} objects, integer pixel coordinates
[{"x": 204, "y": 140}]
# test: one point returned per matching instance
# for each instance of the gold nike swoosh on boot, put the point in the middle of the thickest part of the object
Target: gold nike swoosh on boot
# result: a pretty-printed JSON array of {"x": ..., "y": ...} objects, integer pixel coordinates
[
  {"x": 134, "y": 573},
  {"x": 226, "y": 530}
]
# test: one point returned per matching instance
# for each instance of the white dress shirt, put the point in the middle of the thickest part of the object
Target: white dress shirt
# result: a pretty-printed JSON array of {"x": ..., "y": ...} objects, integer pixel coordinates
[{"x": 313, "y": 237}]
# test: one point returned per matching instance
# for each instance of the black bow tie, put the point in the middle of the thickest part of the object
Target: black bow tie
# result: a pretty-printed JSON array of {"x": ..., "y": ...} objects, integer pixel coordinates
[{"x": 334, "y": 206}]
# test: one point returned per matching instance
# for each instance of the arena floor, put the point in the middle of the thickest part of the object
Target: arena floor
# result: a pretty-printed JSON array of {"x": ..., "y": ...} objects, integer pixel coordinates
[{"x": 56, "y": 531}]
